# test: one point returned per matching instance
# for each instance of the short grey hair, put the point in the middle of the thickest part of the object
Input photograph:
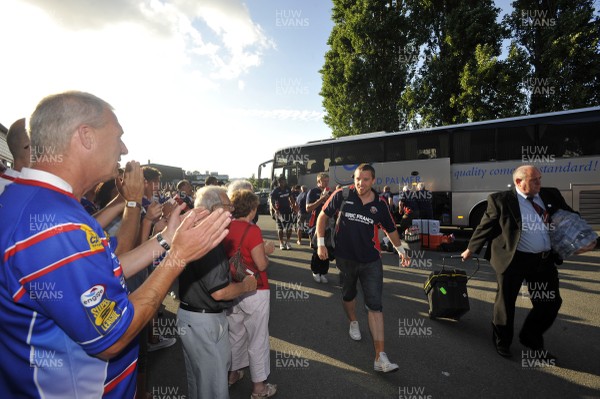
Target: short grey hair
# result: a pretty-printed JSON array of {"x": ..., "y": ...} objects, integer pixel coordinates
[
  {"x": 240, "y": 184},
  {"x": 521, "y": 172},
  {"x": 58, "y": 116},
  {"x": 209, "y": 197}
]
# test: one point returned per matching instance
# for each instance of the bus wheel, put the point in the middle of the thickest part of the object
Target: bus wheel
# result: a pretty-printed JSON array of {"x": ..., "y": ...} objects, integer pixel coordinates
[{"x": 476, "y": 215}]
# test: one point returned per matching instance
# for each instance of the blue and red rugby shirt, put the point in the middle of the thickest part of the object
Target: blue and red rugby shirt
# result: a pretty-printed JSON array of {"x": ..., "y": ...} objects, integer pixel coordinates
[{"x": 62, "y": 297}]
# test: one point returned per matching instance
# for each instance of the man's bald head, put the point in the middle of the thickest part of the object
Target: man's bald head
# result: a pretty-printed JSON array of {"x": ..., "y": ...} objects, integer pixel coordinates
[{"x": 19, "y": 144}]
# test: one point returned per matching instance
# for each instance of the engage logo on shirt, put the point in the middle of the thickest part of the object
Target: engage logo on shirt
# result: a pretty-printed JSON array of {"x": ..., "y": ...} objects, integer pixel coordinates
[
  {"x": 92, "y": 297},
  {"x": 102, "y": 312}
]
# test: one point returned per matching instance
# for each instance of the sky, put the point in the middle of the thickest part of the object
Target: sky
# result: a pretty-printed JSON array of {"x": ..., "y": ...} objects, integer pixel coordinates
[{"x": 206, "y": 85}]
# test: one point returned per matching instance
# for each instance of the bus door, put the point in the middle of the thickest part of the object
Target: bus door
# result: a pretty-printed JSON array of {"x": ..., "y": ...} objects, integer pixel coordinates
[{"x": 291, "y": 174}]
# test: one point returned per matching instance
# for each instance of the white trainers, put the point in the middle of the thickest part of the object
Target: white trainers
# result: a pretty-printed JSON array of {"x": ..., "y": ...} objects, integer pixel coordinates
[
  {"x": 384, "y": 364},
  {"x": 281, "y": 246},
  {"x": 354, "y": 331},
  {"x": 288, "y": 246},
  {"x": 317, "y": 277},
  {"x": 323, "y": 279}
]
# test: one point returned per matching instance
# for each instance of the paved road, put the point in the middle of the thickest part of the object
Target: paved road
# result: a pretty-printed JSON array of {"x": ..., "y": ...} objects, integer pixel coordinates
[{"x": 312, "y": 355}]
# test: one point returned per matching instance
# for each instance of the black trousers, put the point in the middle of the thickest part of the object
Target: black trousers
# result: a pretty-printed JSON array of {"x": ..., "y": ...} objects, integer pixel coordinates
[{"x": 541, "y": 276}]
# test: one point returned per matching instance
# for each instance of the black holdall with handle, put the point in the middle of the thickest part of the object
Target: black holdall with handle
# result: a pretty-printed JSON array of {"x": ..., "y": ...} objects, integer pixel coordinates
[{"x": 446, "y": 290}]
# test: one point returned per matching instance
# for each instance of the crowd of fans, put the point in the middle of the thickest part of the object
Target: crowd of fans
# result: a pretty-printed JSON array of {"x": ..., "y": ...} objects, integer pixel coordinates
[
  {"x": 138, "y": 218},
  {"x": 203, "y": 288},
  {"x": 147, "y": 224}
]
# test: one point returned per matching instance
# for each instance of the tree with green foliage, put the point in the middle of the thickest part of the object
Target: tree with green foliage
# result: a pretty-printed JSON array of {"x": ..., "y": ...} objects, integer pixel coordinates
[
  {"x": 491, "y": 88},
  {"x": 363, "y": 74},
  {"x": 259, "y": 183},
  {"x": 561, "y": 40},
  {"x": 461, "y": 78}
]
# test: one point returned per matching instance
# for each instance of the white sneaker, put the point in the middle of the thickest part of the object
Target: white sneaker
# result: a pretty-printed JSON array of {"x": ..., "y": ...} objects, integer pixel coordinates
[
  {"x": 288, "y": 246},
  {"x": 384, "y": 364},
  {"x": 354, "y": 331},
  {"x": 323, "y": 279},
  {"x": 162, "y": 343},
  {"x": 281, "y": 246},
  {"x": 317, "y": 277}
]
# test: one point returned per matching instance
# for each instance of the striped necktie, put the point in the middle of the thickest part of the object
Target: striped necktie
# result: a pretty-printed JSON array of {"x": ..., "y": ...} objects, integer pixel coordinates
[{"x": 539, "y": 210}]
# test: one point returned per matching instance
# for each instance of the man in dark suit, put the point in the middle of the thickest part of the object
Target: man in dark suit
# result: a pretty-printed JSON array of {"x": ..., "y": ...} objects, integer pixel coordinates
[{"x": 516, "y": 227}]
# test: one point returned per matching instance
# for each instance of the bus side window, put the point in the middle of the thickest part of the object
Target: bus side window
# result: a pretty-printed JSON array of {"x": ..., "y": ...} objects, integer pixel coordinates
[
  {"x": 351, "y": 153},
  {"x": 473, "y": 145},
  {"x": 564, "y": 141},
  {"x": 316, "y": 158},
  {"x": 514, "y": 142}
]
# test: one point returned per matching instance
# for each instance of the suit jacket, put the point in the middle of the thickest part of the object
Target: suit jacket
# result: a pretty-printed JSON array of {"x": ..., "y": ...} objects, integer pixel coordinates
[{"x": 501, "y": 225}]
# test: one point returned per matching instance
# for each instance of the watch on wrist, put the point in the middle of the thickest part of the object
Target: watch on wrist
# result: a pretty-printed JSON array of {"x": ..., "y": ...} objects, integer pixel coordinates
[
  {"x": 162, "y": 242},
  {"x": 133, "y": 204}
]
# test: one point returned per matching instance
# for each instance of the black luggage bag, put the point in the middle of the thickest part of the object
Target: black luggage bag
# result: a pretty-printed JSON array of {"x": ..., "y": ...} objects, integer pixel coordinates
[{"x": 446, "y": 291}]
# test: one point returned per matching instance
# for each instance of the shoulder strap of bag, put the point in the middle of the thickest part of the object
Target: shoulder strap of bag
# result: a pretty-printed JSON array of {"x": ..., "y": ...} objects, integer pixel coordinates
[
  {"x": 243, "y": 236},
  {"x": 345, "y": 194}
]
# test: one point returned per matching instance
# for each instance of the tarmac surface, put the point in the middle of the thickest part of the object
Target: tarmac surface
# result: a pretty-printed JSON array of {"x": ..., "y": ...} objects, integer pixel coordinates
[{"x": 312, "y": 355}]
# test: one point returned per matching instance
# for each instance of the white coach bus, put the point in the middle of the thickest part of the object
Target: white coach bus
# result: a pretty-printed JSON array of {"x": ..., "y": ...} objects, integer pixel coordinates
[{"x": 461, "y": 164}]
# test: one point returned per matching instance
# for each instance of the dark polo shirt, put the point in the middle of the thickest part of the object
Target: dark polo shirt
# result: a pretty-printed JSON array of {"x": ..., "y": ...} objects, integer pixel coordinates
[
  {"x": 357, "y": 236},
  {"x": 204, "y": 276}
]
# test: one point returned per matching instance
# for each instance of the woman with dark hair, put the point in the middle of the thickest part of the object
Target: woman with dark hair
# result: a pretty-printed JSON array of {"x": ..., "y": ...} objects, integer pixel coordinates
[{"x": 249, "y": 317}]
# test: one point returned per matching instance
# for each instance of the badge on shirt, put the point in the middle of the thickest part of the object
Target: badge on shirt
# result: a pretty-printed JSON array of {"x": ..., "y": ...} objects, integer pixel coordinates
[
  {"x": 92, "y": 238},
  {"x": 102, "y": 312},
  {"x": 373, "y": 210}
]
